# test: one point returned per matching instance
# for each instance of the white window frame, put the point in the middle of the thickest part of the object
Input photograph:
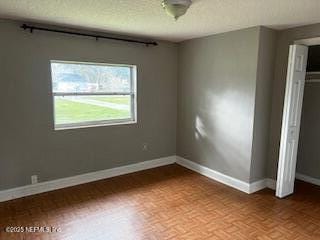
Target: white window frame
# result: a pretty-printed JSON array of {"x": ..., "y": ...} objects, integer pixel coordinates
[{"x": 99, "y": 123}]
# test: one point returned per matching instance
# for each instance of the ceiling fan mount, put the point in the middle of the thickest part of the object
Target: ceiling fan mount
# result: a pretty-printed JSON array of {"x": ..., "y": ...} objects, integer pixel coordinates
[{"x": 176, "y": 8}]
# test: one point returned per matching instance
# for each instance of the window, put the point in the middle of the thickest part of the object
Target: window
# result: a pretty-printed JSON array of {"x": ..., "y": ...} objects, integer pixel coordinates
[{"x": 93, "y": 94}]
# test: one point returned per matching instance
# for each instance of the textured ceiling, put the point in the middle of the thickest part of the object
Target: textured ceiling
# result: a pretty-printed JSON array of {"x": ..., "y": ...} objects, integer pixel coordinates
[{"x": 147, "y": 18}]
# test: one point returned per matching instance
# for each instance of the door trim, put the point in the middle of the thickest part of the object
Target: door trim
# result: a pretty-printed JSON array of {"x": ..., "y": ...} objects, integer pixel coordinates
[{"x": 308, "y": 41}]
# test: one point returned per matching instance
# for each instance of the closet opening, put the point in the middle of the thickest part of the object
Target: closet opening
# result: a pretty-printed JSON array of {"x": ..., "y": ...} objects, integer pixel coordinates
[
  {"x": 308, "y": 156},
  {"x": 299, "y": 155}
]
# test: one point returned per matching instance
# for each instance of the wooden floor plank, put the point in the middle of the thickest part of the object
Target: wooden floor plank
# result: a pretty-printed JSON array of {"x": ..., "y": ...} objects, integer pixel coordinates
[{"x": 169, "y": 202}]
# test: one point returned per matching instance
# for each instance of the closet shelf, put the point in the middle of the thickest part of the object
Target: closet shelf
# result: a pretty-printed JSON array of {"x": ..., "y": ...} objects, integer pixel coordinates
[
  {"x": 312, "y": 77},
  {"x": 313, "y": 81},
  {"x": 313, "y": 73}
]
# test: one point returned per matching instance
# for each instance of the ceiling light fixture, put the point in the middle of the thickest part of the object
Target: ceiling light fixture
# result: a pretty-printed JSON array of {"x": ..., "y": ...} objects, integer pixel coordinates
[{"x": 176, "y": 8}]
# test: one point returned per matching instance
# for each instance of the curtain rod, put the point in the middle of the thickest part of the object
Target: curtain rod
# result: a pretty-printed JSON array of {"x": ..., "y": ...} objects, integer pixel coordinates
[{"x": 32, "y": 28}]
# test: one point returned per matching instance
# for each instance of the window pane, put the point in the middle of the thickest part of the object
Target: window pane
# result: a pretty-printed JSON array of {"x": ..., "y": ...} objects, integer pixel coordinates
[
  {"x": 78, "y": 109},
  {"x": 89, "y": 78}
]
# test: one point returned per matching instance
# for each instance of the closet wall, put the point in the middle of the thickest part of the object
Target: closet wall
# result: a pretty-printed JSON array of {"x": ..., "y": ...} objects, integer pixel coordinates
[{"x": 309, "y": 143}]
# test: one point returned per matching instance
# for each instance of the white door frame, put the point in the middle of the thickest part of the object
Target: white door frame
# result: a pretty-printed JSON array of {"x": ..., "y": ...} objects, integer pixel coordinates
[{"x": 307, "y": 42}]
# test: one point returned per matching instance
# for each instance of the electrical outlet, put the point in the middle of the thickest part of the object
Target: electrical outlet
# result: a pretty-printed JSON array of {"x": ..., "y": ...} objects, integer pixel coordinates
[
  {"x": 34, "y": 179},
  {"x": 144, "y": 146}
]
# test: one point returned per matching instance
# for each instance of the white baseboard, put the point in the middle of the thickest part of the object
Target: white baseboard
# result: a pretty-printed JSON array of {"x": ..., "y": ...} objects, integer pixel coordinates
[
  {"x": 271, "y": 183},
  {"x": 27, "y": 190},
  {"x": 305, "y": 178},
  {"x": 257, "y": 186},
  {"x": 222, "y": 178}
]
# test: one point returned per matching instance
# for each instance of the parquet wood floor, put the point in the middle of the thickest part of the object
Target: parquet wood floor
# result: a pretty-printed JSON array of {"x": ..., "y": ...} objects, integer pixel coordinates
[{"x": 169, "y": 202}]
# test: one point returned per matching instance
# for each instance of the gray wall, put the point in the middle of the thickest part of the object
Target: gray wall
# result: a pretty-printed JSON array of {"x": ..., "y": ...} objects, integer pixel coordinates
[
  {"x": 265, "y": 70},
  {"x": 28, "y": 143},
  {"x": 223, "y": 106},
  {"x": 285, "y": 38},
  {"x": 216, "y": 100},
  {"x": 308, "y": 161}
]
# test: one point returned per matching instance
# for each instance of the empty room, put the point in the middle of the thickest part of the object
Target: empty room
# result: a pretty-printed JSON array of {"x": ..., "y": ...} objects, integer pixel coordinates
[{"x": 159, "y": 119}]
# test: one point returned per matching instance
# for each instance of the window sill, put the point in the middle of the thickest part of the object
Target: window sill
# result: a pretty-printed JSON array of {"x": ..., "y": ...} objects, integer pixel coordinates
[{"x": 92, "y": 125}]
